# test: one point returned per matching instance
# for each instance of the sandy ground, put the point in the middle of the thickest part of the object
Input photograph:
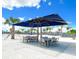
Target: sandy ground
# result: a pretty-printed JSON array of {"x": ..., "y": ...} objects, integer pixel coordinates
[{"x": 16, "y": 49}]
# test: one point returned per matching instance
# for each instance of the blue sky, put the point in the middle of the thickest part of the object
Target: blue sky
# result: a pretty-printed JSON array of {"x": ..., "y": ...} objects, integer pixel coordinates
[{"x": 37, "y": 8}]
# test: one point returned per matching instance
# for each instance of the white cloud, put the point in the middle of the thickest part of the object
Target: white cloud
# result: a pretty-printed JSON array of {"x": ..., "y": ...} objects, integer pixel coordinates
[
  {"x": 21, "y": 18},
  {"x": 30, "y": 19},
  {"x": 3, "y": 20},
  {"x": 49, "y": 3},
  {"x": 9, "y": 4},
  {"x": 5, "y": 26},
  {"x": 38, "y": 6},
  {"x": 69, "y": 22}
]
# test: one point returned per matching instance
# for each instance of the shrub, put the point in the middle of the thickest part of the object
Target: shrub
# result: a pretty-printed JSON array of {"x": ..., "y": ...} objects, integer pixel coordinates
[{"x": 73, "y": 31}]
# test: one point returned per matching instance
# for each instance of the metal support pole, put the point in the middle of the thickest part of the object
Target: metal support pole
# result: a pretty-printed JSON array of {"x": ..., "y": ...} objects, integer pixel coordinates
[
  {"x": 31, "y": 30},
  {"x": 61, "y": 29},
  {"x": 37, "y": 33},
  {"x": 41, "y": 33}
]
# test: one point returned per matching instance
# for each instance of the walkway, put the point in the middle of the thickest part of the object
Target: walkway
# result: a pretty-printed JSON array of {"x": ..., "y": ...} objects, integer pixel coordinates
[{"x": 15, "y": 49}]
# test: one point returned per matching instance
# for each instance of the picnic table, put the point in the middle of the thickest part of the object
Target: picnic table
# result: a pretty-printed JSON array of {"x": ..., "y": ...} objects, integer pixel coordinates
[
  {"x": 45, "y": 41},
  {"x": 30, "y": 38},
  {"x": 48, "y": 41}
]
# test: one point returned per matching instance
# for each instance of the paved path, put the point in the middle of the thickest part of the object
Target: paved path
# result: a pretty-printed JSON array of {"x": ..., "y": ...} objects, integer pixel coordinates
[{"x": 15, "y": 49}]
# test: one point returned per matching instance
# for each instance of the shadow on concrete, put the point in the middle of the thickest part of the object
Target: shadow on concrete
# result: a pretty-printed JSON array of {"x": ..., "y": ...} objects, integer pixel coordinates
[{"x": 61, "y": 47}]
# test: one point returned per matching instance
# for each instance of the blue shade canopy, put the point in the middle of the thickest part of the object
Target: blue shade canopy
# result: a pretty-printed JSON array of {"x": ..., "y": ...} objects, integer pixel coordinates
[{"x": 49, "y": 20}]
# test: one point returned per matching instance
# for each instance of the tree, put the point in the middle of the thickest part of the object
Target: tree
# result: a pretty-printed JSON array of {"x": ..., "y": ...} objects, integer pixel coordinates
[
  {"x": 10, "y": 21},
  {"x": 34, "y": 30},
  {"x": 22, "y": 29},
  {"x": 73, "y": 31},
  {"x": 48, "y": 28},
  {"x": 68, "y": 28}
]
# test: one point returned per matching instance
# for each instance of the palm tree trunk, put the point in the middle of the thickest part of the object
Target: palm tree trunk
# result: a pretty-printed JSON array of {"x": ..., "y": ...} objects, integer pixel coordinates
[{"x": 12, "y": 33}]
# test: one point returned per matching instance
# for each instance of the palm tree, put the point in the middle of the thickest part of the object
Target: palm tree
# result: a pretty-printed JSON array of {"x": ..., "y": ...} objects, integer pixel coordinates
[
  {"x": 22, "y": 29},
  {"x": 34, "y": 30},
  {"x": 68, "y": 28},
  {"x": 48, "y": 28},
  {"x": 29, "y": 30},
  {"x": 10, "y": 21}
]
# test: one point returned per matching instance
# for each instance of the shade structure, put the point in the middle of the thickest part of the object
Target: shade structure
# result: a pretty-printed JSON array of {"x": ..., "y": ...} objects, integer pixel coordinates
[{"x": 49, "y": 20}]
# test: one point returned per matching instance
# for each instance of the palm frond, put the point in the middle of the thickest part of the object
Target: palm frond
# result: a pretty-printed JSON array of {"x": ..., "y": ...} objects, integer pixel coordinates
[{"x": 7, "y": 21}]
